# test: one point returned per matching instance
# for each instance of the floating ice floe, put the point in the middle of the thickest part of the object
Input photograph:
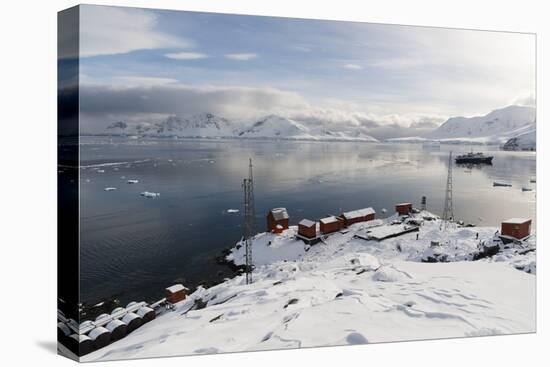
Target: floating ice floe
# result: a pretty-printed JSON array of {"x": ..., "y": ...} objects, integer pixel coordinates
[
  {"x": 100, "y": 171},
  {"x": 133, "y": 181},
  {"x": 109, "y": 189},
  {"x": 232, "y": 211},
  {"x": 150, "y": 195}
]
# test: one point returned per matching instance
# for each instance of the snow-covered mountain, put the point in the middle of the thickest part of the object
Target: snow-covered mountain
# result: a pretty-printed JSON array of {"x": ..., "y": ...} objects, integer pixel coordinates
[
  {"x": 525, "y": 141},
  {"x": 274, "y": 126},
  {"x": 212, "y": 126},
  {"x": 494, "y": 128},
  {"x": 204, "y": 125}
]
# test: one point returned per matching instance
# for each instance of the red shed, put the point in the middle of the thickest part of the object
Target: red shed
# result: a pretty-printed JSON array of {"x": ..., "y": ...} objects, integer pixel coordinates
[
  {"x": 277, "y": 216},
  {"x": 403, "y": 208},
  {"x": 331, "y": 224},
  {"x": 516, "y": 227},
  {"x": 356, "y": 216},
  {"x": 307, "y": 228},
  {"x": 176, "y": 293}
]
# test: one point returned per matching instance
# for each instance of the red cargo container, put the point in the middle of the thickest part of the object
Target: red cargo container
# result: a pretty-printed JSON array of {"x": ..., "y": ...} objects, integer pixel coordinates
[
  {"x": 331, "y": 224},
  {"x": 307, "y": 228},
  {"x": 516, "y": 227},
  {"x": 403, "y": 208}
]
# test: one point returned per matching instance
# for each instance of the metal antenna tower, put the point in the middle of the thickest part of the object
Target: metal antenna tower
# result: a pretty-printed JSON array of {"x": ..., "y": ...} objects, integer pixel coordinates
[
  {"x": 249, "y": 215},
  {"x": 448, "y": 214}
]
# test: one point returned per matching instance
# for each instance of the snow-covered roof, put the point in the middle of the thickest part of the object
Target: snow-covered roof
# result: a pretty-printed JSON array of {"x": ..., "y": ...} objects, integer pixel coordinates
[
  {"x": 129, "y": 317},
  {"x": 279, "y": 213},
  {"x": 144, "y": 310},
  {"x": 403, "y": 204},
  {"x": 516, "y": 220},
  {"x": 327, "y": 220},
  {"x": 80, "y": 337},
  {"x": 100, "y": 330},
  {"x": 307, "y": 223},
  {"x": 176, "y": 288},
  {"x": 116, "y": 323},
  {"x": 358, "y": 213}
]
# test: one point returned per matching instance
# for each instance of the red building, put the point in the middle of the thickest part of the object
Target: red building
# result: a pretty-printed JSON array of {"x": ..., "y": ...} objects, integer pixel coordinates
[
  {"x": 175, "y": 293},
  {"x": 307, "y": 228},
  {"x": 277, "y": 216},
  {"x": 403, "y": 208},
  {"x": 331, "y": 224},
  {"x": 516, "y": 227},
  {"x": 356, "y": 216}
]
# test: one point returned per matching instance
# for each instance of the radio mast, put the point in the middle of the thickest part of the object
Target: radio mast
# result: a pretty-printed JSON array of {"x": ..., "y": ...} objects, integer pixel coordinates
[
  {"x": 249, "y": 215},
  {"x": 448, "y": 214}
]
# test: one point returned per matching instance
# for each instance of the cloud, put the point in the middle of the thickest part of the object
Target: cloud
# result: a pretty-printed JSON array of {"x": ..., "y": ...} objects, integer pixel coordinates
[
  {"x": 530, "y": 101},
  {"x": 139, "y": 99},
  {"x": 241, "y": 56},
  {"x": 425, "y": 123},
  {"x": 352, "y": 66},
  {"x": 186, "y": 55},
  {"x": 108, "y": 30}
]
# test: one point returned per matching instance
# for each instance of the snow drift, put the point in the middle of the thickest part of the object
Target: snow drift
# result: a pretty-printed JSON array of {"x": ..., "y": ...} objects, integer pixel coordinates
[{"x": 347, "y": 290}]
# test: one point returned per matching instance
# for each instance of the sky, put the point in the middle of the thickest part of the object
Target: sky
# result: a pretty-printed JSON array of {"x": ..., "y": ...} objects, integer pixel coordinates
[{"x": 142, "y": 65}]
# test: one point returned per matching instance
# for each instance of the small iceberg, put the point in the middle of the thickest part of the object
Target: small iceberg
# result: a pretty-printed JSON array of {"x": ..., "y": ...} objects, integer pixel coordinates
[
  {"x": 100, "y": 171},
  {"x": 501, "y": 184},
  {"x": 232, "y": 211},
  {"x": 109, "y": 189},
  {"x": 384, "y": 210},
  {"x": 133, "y": 181},
  {"x": 150, "y": 195}
]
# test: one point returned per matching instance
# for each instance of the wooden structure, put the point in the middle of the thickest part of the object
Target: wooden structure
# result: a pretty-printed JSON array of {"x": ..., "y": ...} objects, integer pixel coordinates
[
  {"x": 307, "y": 228},
  {"x": 331, "y": 224},
  {"x": 380, "y": 233},
  {"x": 175, "y": 293},
  {"x": 357, "y": 216},
  {"x": 403, "y": 208},
  {"x": 275, "y": 217},
  {"x": 278, "y": 229},
  {"x": 518, "y": 228}
]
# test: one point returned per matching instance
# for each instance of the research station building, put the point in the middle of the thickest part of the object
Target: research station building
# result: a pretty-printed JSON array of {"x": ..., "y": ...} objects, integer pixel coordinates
[
  {"x": 277, "y": 217},
  {"x": 516, "y": 227}
]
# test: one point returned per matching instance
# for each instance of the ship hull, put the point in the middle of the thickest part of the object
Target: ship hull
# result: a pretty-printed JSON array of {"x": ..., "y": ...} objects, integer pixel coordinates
[{"x": 484, "y": 160}]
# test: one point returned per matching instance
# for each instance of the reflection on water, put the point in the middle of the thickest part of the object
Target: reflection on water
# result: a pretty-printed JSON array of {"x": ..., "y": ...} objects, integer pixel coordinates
[{"x": 132, "y": 247}]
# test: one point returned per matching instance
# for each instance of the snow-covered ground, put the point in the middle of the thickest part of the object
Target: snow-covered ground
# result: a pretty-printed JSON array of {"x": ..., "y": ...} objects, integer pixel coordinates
[{"x": 347, "y": 290}]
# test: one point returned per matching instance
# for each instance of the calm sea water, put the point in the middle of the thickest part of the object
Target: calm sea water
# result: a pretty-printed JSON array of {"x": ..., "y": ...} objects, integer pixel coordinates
[{"x": 133, "y": 247}]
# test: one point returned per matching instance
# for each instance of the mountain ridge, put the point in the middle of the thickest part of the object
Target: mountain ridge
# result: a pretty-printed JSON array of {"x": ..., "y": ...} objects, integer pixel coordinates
[{"x": 211, "y": 126}]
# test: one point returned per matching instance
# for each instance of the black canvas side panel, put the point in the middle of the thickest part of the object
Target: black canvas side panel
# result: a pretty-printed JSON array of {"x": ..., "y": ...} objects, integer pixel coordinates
[{"x": 68, "y": 175}]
